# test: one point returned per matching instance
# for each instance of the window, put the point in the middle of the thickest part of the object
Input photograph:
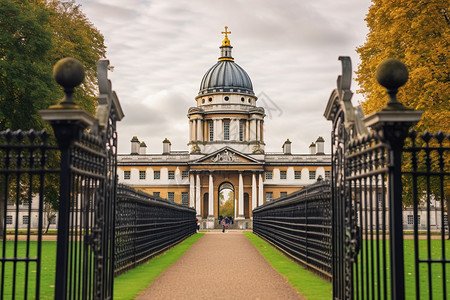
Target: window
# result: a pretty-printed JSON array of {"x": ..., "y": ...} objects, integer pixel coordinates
[
  {"x": 283, "y": 194},
  {"x": 269, "y": 175},
  {"x": 171, "y": 174},
  {"x": 157, "y": 175},
  {"x": 410, "y": 219},
  {"x": 227, "y": 98},
  {"x": 380, "y": 200},
  {"x": 26, "y": 203},
  {"x": 327, "y": 174},
  {"x": 211, "y": 130},
  {"x": 9, "y": 220},
  {"x": 312, "y": 174},
  {"x": 210, "y": 99},
  {"x": 142, "y": 175},
  {"x": 203, "y": 101},
  {"x": 184, "y": 174},
  {"x": 184, "y": 198},
  {"x": 242, "y": 99},
  {"x": 11, "y": 202},
  {"x": 241, "y": 131},
  {"x": 171, "y": 196},
  {"x": 126, "y": 175},
  {"x": 282, "y": 174},
  {"x": 226, "y": 130},
  {"x": 298, "y": 174},
  {"x": 156, "y": 194},
  {"x": 25, "y": 220},
  {"x": 269, "y": 196}
]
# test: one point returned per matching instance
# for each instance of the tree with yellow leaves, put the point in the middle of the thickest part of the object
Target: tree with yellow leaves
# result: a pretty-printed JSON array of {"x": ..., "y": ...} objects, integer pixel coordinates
[{"x": 417, "y": 32}]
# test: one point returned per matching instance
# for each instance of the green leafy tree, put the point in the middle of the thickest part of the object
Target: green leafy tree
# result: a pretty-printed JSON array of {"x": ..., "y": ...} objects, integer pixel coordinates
[
  {"x": 34, "y": 35},
  {"x": 417, "y": 32}
]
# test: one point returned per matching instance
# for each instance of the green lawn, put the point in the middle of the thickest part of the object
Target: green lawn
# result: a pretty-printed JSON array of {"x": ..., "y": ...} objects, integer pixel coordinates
[
  {"x": 436, "y": 270},
  {"x": 308, "y": 284},
  {"x": 47, "y": 270},
  {"x": 129, "y": 284}
]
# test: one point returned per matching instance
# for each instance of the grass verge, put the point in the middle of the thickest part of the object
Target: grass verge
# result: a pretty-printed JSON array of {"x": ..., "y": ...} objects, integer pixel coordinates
[
  {"x": 308, "y": 284},
  {"x": 128, "y": 285}
]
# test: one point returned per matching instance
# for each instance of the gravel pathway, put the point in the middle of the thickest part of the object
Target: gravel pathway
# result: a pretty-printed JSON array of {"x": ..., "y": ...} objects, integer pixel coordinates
[{"x": 221, "y": 266}]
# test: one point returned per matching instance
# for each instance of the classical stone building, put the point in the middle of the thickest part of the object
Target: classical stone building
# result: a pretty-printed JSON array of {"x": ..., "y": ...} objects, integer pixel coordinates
[{"x": 226, "y": 140}]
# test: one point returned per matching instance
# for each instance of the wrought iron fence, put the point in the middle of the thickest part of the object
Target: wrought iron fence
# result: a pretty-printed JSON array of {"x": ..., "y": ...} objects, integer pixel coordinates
[
  {"x": 147, "y": 225},
  {"x": 300, "y": 225},
  {"x": 426, "y": 170},
  {"x": 24, "y": 168},
  {"x": 374, "y": 177}
]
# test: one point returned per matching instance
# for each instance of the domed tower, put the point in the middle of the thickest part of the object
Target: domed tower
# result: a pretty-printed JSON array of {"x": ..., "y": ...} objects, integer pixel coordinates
[{"x": 226, "y": 112}]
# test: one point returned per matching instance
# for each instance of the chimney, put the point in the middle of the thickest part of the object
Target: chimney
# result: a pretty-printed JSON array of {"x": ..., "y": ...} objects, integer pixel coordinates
[
  {"x": 287, "y": 147},
  {"x": 143, "y": 148},
  {"x": 312, "y": 148},
  {"x": 166, "y": 146},
  {"x": 320, "y": 146},
  {"x": 134, "y": 146}
]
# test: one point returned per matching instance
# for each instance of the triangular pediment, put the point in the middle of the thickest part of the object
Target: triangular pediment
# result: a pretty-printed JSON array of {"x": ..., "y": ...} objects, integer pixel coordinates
[{"x": 227, "y": 155}]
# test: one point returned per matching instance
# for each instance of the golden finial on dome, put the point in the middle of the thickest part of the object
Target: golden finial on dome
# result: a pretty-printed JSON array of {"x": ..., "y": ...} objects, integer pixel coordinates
[{"x": 226, "y": 41}]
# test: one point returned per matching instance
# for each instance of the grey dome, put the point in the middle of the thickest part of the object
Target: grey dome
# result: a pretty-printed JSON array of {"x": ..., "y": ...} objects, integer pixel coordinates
[{"x": 226, "y": 75}]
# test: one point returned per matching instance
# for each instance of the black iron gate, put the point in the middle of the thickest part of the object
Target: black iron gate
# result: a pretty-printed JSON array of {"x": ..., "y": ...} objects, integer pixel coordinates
[
  {"x": 88, "y": 145},
  {"x": 369, "y": 193}
]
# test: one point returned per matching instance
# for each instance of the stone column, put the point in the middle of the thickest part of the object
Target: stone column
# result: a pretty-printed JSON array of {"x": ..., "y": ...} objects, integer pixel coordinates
[
  {"x": 192, "y": 190},
  {"x": 234, "y": 130},
  {"x": 216, "y": 130},
  {"x": 241, "y": 197},
  {"x": 194, "y": 131},
  {"x": 258, "y": 131},
  {"x": 198, "y": 195},
  {"x": 260, "y": 190},
  {"x": 247, "y": 130},
  {"x": 254, "y": 192},
  {"x": 199, "y": 130},
  {"x": 252, "y": 130},
  {"x": 191, "y": 130},
  {"x": 211, "y": 197}
]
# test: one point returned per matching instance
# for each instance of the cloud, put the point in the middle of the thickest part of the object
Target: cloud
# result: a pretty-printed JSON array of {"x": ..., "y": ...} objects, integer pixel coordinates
[{"x": 161, "y": 50}]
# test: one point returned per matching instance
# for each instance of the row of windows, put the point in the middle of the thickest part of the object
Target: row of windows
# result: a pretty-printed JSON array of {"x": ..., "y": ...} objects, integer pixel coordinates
[
  {"x": 210, "y": 99},
  {"x": 25, "y": 220},
  {"x": 226, "y": 130},
  {"x": 171, "y": 197},
  {"x": 269, "y": 195},
  {"x": 24, "y": 203},
  {"x": 156, "y": 175},
  {"x": 185, "y": 174},
  {"x": 297, "y": 175}
]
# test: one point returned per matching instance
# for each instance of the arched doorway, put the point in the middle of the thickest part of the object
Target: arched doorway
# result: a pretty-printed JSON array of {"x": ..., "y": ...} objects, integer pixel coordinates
[
  {"x": 226, "y": 200},
  {"x": 246, "y": 206},
  {"x": 205, "y": 206}
]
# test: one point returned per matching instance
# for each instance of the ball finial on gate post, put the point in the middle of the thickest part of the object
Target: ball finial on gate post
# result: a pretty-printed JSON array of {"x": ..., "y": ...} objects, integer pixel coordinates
[
  {"x": 69, "y": 73},
  {"x": 392, "y": 74}
]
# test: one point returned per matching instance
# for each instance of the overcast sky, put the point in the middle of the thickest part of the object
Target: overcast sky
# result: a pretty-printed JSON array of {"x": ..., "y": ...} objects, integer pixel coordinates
[{"x": 161, "y": 49}]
